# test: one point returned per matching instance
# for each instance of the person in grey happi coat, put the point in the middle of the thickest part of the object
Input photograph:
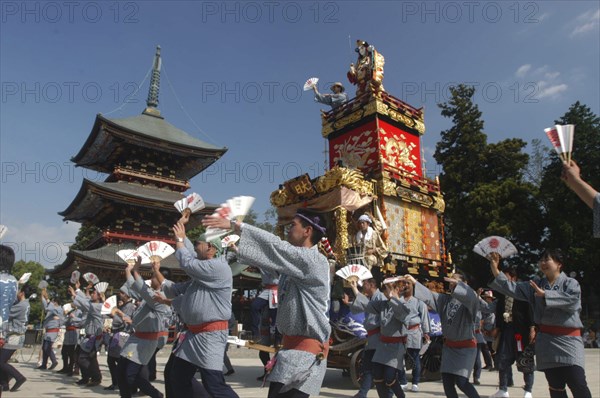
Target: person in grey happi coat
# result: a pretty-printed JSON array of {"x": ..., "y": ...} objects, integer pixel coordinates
[
  {"x": 73, "y": 321},
  {"x": 51, "y": 323},
  {"x": 418, "y": 327},
  {"x": 92, "y": 320},
  {"x": 205, "y": 307},
  {"x": 304, "y": 290},
  {"x": 147, "y": 321},
  {"x": 17, "y": 325},
  {"x": 556, "y": 301},
  {"x": 370, "y": 292},
  {"x": 119, "y": 332},
  {"x": 457, "y": 312}
]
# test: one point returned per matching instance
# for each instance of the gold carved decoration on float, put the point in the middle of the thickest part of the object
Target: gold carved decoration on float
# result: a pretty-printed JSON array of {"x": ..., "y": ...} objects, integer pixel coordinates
[
  {"x": 341, "y": 176},
  {"x": 341, "y": 235},
  {"x": 413, "y": 196}
]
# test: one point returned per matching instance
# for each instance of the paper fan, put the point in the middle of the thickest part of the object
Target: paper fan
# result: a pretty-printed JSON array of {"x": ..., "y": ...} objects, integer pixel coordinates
[
  {"x": 101, "y": 287},
  {"x": 24, "y": 278},
  {"x": 310, "y": 83},
  {"x": 495, "y": 244},
  {"x": 3, "y": 230},
  {"x": 565, "y": 135},
  {"x": 239, "y": 206},
  {"x": 128, "y": 255},
  {"x": 42, "y": 285},
  {"x": 193, "y": 202},
  {"x": 354, "y": 272},
  {"x": 156, "y": 250},
  {"x": 229, "y": 240},
  {"x": 67, "y": 307},
  {"x": 108, "y": 305},
  {"x": 392, "y": 279},
  {"x": 90, "y": 277},
  {"x": 75, "y": 275}
]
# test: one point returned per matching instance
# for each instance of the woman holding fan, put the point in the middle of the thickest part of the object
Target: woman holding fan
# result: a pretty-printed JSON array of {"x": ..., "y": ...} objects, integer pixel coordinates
[{"x": 556, "y": 301}]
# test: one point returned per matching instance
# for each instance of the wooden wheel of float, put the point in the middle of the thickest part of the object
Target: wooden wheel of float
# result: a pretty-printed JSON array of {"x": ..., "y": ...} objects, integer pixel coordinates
[{"x": 355, "y": 365}]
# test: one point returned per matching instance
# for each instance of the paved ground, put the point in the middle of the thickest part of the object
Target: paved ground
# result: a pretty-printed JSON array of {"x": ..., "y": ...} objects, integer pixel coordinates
[{"x": 247, "y": 368}]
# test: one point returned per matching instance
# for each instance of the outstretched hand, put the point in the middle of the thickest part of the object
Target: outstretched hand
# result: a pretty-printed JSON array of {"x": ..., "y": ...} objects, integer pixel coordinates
[
  {"x": 539, "y": 292},
  {"x": 216, "y": 221},
  {"x": 494, "y": 263}
]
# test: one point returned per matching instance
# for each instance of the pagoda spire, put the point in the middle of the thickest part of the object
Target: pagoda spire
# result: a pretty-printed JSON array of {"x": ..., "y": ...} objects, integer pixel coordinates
[{"x": 152, "y": 101}]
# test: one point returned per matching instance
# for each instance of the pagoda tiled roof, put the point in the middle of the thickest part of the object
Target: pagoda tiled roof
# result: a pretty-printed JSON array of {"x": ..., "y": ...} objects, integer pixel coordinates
[
  {"x": 91, "y": 196},
  {"x": 108, "y": 137}
]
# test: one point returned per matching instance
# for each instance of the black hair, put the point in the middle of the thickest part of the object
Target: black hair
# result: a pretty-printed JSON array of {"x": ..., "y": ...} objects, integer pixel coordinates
[
  {"x": 27, "y": 290},
  {"x": 166, "y": 272},
  {"x": 7, "y": 259},
  {"x": 316, "y": 221},
  {"x": 554, "y": 254}
]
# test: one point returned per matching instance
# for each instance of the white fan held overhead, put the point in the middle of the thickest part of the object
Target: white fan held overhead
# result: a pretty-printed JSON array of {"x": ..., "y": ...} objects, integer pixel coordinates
[
  {"x": 75, "y": 275},
  {"x": 392, "y": 279},
  {"x": 3, "y": 230},
  {"x": 155, "y": 250},
  {"x": 190, "y": 204},
  {"x": 101, "y": 287},
  {"x": 561, "y": 137},
  {"x": 310, "y": 83},
  {"x": 495, "y": 244},
  {"x": 354, "y": 272},
  {"x": 90, "y": 277},
  {"x": 229, "y": 240},
  {"x": 108, "y": 305},
  {"x": 24, "y": 278},
  {"x": 239, "y": 206},
  {"x": 129, "y": 255}
]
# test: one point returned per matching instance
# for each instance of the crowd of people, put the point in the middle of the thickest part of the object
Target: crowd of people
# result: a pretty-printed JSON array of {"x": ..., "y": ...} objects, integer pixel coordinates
[{"x": 534, "y": 324}]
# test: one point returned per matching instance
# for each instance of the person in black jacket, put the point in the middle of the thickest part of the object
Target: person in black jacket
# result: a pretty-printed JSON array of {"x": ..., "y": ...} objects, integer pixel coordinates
[{"x": 514, "y": 323}]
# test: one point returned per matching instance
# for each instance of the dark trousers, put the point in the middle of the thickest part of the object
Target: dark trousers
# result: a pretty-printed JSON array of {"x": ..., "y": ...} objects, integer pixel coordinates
[
  {"x": 88, "y": 365},
  {"x": 487, "y": 355},
  {"x": 7, "y": 371},
  {"x": 274, "y": 389},
  {"x": 47, "y": 352},
  {"x": 451, "y": 381},
  {"x": 68, "y": 357},
  {"x": 386, "y": 379},
  {"x": 152, "y": 367},
  {"x": 256, "y": 309},
  {"x": 572, "y": 376},
  {"x": 506, "y": 356},
  {"x": 182, "y": 373},
  {"x": 112, "y": 363},
  {"x": 131, "y": 375},
  {"x": 198, "y": 390},
  {"x": 416, "y": 371},
  {"x": 366, "y": 381}
]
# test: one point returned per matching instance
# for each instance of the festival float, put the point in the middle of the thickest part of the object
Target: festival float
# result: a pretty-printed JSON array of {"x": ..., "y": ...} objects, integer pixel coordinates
[{"x": 375, "y": 169}]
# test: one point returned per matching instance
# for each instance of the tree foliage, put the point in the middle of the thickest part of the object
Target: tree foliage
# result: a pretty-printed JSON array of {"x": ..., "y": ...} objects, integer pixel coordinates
[{"x": 484, "y": 186}]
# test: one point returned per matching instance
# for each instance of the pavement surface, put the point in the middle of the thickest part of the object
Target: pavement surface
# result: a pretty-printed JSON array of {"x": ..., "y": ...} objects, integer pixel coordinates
[{"x": 45, "y": 383}]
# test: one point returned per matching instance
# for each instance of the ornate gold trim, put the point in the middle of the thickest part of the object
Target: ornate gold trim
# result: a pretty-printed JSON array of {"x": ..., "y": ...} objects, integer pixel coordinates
[{"x": 341, "y": 235}]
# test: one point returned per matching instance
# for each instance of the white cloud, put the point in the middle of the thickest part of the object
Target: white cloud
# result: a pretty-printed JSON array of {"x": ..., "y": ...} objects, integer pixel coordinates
[
  {"x": 586, "y": 22},
  {"x": 523, "y": 69},
  {"x": 547, "y": 81},
  {"x": 550, "y": 91},
  {"x": 47, "y": 245}
]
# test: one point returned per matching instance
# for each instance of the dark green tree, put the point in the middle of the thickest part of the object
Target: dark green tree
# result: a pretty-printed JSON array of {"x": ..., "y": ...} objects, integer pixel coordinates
[
  {"x": 484, "y": 187},
  {"x": 86, "y": 234},
  {"x": 567, "y": 218}
]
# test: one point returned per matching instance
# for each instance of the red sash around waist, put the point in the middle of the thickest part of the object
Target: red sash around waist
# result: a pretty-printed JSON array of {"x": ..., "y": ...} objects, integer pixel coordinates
[
  {"x": 307, "y": 344},
  {"x": 461, "y": 343},
  {"x": 71, "y": 328},
  {"x": 560, "y": 330},
  {"x": 52, "y": 330},
  {"x": 270, "y": 287},
  {"x": 372, "y": 331},
  {"x": 208, "y": 327},
  {"x": 163, "y": 333},
  {"x": 389, "y": 339},
  {"x": 477, "y": 331},
  {"x": 413, "y": 327}
]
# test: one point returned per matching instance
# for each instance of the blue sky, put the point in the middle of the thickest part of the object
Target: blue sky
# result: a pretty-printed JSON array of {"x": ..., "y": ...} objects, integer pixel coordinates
[{"x": 236, "y": 68}]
